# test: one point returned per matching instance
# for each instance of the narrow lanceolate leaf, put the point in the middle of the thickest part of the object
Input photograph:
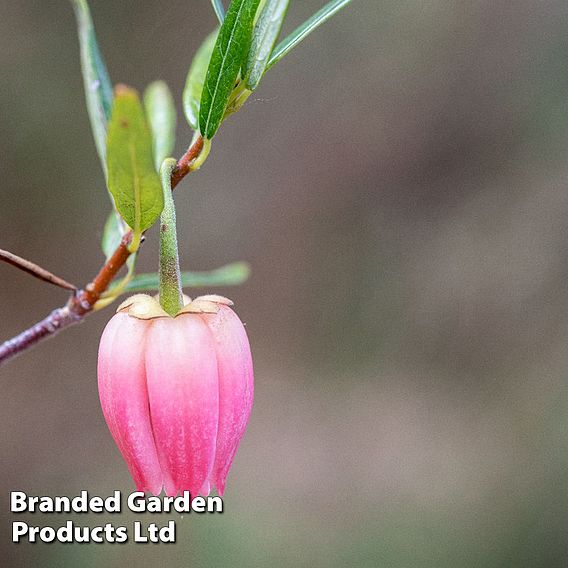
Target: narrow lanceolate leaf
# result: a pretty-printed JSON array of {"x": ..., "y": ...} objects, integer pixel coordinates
[
  {"x": 132, "y": 178},
  {"x": 229, "y": 53},
  {"x": 259, "y": 10},
  {"x": 266, "y": 32},
  {"x": 161, "y": 114},
  {"x": 229, "y": 275},
  {"x": 98, "y": 88},
  {"x": 290, "y": 42},
  {"x": 196, "y": 79},
  {"x": 219, "y": 10}
]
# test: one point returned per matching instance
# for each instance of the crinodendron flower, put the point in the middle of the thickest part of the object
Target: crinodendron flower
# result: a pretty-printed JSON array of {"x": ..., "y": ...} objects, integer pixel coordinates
[{"x": 176, "y": 392}]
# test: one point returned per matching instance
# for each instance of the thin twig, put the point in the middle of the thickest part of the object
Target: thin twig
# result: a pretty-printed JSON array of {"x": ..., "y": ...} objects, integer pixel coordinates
[
  {"x": 81, "y": 303},
  {"x": 48, "y": 327},
  {"x": 183, "y": 166},
  {"x": 34, "y": 270}
]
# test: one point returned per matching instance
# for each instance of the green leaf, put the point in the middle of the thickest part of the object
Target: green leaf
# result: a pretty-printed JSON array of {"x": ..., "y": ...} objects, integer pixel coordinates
[
  {"x": 98, "y": 88},
  {"x": 161, "y": 114},
  {"x": 219, "y": 10},
  {"x": 228, "y": 56},
  {"x": 132, "y": 179},
  {"x": 196, "y": 79},
  {"x": 259, "y": 10},
  {"x": 290, "y": 42},
  {"x": 229, "y": 275},
  {"x": 265, "y": 34},
  {"x": 112, "y": 235}
]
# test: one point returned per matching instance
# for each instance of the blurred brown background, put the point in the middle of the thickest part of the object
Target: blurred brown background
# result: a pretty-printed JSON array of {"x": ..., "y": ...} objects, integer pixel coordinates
[{"x": 399, "y": 185}]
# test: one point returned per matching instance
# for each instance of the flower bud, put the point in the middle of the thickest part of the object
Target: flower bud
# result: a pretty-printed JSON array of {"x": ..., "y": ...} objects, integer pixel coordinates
[{"x": 177, "y": 392}]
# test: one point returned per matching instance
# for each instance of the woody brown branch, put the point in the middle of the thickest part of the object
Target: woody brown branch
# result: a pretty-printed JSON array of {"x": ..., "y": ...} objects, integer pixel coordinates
[{"x": 82, "y": 301}]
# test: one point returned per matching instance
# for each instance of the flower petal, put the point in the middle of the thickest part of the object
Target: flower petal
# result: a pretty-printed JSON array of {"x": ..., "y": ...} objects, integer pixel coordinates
[
  {"x": 184, "y": 400},
  {"x": 124, "y": 398},
  {"x": 236, "y": 386}
]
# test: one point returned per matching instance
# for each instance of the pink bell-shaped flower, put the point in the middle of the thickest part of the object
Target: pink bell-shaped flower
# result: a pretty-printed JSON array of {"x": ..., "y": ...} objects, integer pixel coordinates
[{"x": 176, "y": 392}]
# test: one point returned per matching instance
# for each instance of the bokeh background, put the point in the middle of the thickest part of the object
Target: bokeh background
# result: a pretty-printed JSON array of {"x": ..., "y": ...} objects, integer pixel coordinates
[{"x": 399, "y": 184}]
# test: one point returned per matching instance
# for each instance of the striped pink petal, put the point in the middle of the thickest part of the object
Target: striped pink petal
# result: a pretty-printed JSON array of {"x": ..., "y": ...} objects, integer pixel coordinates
[
  {"x": 124, "y": 398},
  {"x": 176, "y": 393},
  {"x": 234, "y": 363},
  {"x": 183, "y": 387}
]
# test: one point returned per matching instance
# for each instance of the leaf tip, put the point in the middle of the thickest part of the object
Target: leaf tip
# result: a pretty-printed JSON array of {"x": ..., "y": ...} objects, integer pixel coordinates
[{"x": 122, "y": 90}]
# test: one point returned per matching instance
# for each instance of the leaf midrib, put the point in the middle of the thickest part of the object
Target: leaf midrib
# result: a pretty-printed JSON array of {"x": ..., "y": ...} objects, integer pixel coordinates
[{"x": 137, "y": 191}]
